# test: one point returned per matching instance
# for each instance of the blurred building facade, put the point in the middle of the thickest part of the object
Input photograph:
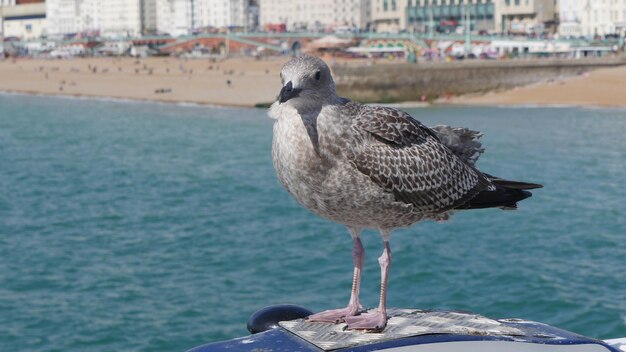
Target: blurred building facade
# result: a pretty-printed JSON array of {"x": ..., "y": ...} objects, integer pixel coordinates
[
  {"x": 570, "y": 18},
  {"x": 113, "y": 18},
  {"x": 24, "y": 19},
  {"x": 448, "y": 16},
  {"x": 29, "y": 19},
  {"x": 389, "y": 15},
  {"x": 592, "y": 18},
  {"x": 526, "y": 16},
  {"x": 318, "y": 16},
  {"x": 127, "y": 18},
  {"x": 183, "y": 17},
  {"x": 149, "y": 17},
  {"x": 222, "y": 13},
  {"x": 63, "y": 16},
  {"x": 174, "y": 17}
]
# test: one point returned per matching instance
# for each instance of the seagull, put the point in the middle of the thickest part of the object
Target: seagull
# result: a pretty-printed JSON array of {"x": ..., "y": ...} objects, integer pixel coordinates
[{"x": 373, "y": 167}]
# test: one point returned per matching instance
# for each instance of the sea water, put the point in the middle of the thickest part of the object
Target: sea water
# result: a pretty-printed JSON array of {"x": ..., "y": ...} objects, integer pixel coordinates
[{"x": 149, "y": 227}]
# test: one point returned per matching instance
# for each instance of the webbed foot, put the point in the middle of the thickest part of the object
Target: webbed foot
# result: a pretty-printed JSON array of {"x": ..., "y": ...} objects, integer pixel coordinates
[
  {"x": 334, "y": 315},
  {"x": 374, "y": 321}
]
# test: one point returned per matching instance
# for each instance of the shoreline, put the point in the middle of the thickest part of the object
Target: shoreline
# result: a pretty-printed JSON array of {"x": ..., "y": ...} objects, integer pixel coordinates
[
  {"x": 399, "y": 105},
  {"x": 248, "y": 83},
  {"x": 125, "y": 99}
]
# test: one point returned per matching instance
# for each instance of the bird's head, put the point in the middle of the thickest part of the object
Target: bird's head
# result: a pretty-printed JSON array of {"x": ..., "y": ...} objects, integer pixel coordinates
[{"x": 306, "y": 82}]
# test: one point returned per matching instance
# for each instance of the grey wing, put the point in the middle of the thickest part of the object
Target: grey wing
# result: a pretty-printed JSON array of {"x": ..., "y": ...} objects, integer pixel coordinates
[
  {"x": 407, "y": 159},
  {"x": 463, "y": 142}
]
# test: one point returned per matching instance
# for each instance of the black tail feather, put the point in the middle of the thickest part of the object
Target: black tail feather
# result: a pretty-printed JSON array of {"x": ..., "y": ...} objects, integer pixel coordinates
[
  {"x": 513, "y": 184},
  {"x": 505, "y": 195}
]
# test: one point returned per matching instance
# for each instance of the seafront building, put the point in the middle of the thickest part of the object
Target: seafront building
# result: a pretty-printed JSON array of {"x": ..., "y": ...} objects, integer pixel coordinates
[
  {"x": 4, "y": 3},
  {"x": 113, "y": 18},
  {"x": 222, "y": 13},
  {"x": 318, "y": 16},
  {"x": 526, "y": 16},
  {"x": 131, "y": 18},
  {"x": 63, "y": 16},
  {"x": 389, "y": 16},
  {"x": 31, "y": 19},
  {"x": 450, "y": 16},
  {"x": 25, "y": 19},
  {"x": 149, "y": 17},
  {"x": 174, "y": 17},
  {"x": 119, "y": 17},
  {"x": 591, "y": 18},
  {"x": 570, "y": 18},
  {"x": 184, "y": 17}
]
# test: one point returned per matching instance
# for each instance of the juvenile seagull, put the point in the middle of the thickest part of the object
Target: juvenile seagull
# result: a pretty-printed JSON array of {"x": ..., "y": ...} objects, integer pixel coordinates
[{"x": 373, "y": 167}]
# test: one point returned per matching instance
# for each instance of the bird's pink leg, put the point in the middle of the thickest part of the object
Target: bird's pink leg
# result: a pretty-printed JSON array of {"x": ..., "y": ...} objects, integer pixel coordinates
[
  {"x": 338, "y": 315},
  {"x": 377, "y": 319}
]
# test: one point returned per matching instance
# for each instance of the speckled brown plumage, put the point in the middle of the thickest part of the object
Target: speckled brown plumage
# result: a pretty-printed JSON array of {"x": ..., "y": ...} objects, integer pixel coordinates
[
  {"x": 407, "y": 159},
  {"x": 373, "y": 167}
]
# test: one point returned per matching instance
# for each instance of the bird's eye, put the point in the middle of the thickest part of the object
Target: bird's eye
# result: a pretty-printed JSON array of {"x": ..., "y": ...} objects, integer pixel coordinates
[{"x": 318, "y": 75}]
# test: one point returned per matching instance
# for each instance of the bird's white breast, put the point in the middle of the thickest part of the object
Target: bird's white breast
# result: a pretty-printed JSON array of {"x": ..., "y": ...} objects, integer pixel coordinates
[{"x": 297, "y": 164}]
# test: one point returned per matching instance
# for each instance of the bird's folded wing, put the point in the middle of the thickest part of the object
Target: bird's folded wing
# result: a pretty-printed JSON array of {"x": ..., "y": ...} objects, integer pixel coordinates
[
  {"x": 463, "y": 142},
  {"x": 407, "y": 159}
]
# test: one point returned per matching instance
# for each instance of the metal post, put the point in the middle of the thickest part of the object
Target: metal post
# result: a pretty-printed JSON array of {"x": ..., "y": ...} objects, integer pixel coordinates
[
  {"x": 227, "y": 42},
  {"x": 1, "y": 26},
  {"x": 431, "y": 23},
  {"x": 193, "y": 13},
  {"x": 468, "y": 28}
]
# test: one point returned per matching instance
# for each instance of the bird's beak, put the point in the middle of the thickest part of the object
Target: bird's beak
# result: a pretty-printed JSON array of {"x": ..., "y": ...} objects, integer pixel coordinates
[{"x": 288, "y": 92}]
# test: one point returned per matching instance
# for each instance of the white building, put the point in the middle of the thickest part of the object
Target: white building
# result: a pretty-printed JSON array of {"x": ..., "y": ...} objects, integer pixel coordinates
[
  {"x": 89, "y": 16},
  {"x": 24, "y": 21},
  {"x": 526, "y": 16},
  {"x": 590, "y": 18},
  {"x": 113, "y": 18},
  {"x": 183, "y": 17},
  {"x": 174, "y": 17},
  {"x": 4, "y": 3},
  {"x": 316, "y": 15},
  {"x": 570, "y": 18},
  {"x": 601, "y": 17},
  {"x": 221, "y": 13},
  {"x": 390, "y": 16},
  {"x": 119, "y": 18},
  {"x": 63, "y": 17}
]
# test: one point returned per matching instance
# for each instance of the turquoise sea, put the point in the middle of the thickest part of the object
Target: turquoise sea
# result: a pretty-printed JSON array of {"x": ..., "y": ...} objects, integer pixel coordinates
[{"x": 130, "y": 226}]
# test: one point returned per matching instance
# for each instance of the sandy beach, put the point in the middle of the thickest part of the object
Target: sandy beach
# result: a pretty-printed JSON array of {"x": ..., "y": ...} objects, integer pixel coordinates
[
  {"x": 601, "y": 88},
  {"x": 233, "y": 82},
  {"x": 248, "y": 82}
]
